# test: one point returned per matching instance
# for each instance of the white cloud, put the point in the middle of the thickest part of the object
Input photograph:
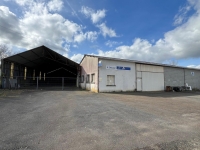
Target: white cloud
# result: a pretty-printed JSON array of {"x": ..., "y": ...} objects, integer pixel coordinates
[
  {"x": 87, "y": 11},
  {"x": 195, "y": 4},
  {"x": 77, "y": 57},
  {"x": 23, "y": 2},
  {"x": 75, "y": 46},
  {"x": 194, "y": 66},
  {"x": 180, "y": 43},
  {"x": 9, "y": 26},
  {"x": 91, "y": 36},
  {"x": 181, "y": 16},
  {"x": 55, "y": 5},
  {"x": 105, "y": 31},
  {"x": 38, "y": 27},
  {"x": 112, "y": 43},
  {"x": 94, "y": 16},
  {"x": 79, "y": 37}
]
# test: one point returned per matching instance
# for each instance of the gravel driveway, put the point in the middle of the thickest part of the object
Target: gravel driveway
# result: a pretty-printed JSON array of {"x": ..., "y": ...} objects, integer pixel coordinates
[{"x": 73, "y": 119}]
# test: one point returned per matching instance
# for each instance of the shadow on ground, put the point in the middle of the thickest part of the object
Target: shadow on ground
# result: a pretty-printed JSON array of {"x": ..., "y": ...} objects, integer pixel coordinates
[{"x": 160, "y": 94}]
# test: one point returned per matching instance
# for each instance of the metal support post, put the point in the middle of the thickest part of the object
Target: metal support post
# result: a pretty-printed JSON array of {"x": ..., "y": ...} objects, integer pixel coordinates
[
  {"x": 62, "y": 83},
  {"x": 37, "y": 83}
]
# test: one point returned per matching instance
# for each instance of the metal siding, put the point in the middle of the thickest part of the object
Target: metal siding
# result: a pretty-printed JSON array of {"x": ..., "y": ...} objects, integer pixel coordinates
[
  {"x": 139, "y": 74},
  {"x": 174, "y": 76},
  {"x": 152, "y": 81},
  {"x": 193, "y": 81},
  {"x": 139, "y": 84},
  {"x": 150, "y": 77},
  {"x": 138, "y": 67},
  {"x": 151, "y": 68}
]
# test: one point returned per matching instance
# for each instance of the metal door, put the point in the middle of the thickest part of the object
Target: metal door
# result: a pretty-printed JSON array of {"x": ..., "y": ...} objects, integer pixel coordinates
[{"x": 139, "y": 81}]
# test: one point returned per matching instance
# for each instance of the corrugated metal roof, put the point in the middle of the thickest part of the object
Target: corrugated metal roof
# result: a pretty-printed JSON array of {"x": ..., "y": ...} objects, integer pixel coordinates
[
  {"x": 139, "y": 62},
  {"x": 44, "y": 59}
]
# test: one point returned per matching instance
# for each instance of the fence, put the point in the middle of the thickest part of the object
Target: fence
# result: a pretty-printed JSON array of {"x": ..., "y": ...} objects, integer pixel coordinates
[{"x": 38, "y": 83}]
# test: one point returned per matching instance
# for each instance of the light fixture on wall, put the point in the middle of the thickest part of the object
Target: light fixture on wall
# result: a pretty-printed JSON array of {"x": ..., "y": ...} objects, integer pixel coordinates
[{"x": 100, "y": 63}]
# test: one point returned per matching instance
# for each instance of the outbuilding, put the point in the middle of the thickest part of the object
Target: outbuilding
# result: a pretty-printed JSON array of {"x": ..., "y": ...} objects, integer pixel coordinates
[
  {"x": 105, "y": 74},
  {"x": 40, "y": 66}
]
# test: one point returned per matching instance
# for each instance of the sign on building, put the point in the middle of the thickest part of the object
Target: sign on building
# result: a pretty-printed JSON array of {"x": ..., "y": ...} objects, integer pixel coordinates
[{"x": 118, "y": 67}]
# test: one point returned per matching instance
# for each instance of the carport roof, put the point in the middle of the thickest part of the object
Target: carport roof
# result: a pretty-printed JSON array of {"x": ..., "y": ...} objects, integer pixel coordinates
[{"x": 41, "y": 57}]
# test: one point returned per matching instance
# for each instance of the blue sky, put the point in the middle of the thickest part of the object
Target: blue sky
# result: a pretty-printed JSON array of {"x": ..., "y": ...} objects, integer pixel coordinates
[{"x": 147, "y": 30}]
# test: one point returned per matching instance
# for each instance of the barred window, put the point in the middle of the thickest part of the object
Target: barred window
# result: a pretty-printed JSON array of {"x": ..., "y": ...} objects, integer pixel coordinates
[
  {"x": 88, "y": 78},
  {"x": 93, "y": 78},
  {"x": 110, "y": 79},
  {"x": 82, "y": 78}
]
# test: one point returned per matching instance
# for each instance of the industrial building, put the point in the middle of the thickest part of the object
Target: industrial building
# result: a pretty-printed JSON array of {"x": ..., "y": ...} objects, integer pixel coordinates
[
  {"x": 40, "y": 66},
  {"x": 43, "y": 67},
  {"x": 104, "y": 74}
]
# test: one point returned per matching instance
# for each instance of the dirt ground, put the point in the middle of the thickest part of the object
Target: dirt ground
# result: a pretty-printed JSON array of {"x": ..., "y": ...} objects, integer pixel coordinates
[{"x": 74, "y": 119}]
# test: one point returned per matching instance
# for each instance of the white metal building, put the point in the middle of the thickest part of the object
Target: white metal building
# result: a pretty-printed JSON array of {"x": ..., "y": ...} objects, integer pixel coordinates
[{"x": 104, "y": 74}]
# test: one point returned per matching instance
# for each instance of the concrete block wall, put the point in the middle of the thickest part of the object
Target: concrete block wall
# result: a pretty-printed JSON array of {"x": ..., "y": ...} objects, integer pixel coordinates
[
  {"x": 180, "y": 76},
  {"x": 192, "y": 77},
  {"x": 173, "y": 76}
]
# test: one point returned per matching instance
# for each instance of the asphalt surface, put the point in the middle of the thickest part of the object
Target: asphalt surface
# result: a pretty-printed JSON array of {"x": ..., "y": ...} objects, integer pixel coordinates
[{"x": 74, "y": 120}]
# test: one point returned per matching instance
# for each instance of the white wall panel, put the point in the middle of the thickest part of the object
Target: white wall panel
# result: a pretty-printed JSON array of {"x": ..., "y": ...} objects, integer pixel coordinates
[
  {"x": 125, "y": 80},
  {"x": 138, "y": 67},
  {"x": 152, "y": 81},
  {"x": 139, "y": 84},
  {"x": 139, "y": 74},
  {"x": 151, "y": 68}
]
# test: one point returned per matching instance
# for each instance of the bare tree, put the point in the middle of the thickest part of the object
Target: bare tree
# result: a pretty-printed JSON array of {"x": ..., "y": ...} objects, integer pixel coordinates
[
  {"x": 173, "y": 62},
  {"x": 4, "y": 51}
]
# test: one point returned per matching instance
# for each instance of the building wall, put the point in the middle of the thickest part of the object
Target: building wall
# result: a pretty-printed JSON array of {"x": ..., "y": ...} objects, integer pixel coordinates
[
  {"x": 124, "y": 79},
  {"x": 192, "y": 77},
  {"x": 180, "y": 76},
  {"x": 149, "y": 77},
  {"x": 89, "y": 66},
  {"x": 132, "y": 76},
  {"x": 174, "y": 76}
]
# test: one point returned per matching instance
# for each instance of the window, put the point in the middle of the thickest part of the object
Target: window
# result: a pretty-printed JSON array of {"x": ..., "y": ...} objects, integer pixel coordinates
[
  {"x": 111, "y": 80},
  {"x": 11, "y": 70},
  {"x": 93, "y": 78},
  {"x": 88, "y": 78},
  {"x": 82, "y": 78},
  {"x": 44, "y": 76},
  {"x": 25, "y": 71}
]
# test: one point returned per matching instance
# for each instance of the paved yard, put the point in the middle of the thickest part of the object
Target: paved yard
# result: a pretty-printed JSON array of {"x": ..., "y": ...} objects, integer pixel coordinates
[{"x": 74, "y": 120}]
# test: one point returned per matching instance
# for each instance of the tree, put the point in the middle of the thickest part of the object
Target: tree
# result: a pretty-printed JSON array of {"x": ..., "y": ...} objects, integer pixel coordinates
[
  {"x": 173, "y": 62},
  {"x": 4, "y": 51}
]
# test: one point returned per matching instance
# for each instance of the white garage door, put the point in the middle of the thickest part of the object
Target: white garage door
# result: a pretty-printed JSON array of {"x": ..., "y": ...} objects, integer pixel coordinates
[{"x": 152, "y": 81}]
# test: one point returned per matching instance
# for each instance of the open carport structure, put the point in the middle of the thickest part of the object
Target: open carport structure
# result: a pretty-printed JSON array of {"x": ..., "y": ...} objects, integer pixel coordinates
[{"x": 40, "y": 66}]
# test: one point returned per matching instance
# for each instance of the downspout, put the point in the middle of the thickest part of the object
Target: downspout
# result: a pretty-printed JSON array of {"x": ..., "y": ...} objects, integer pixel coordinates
[
  {"x": 2, "y": 72},
  {"x": 184, "y": 76},
  {"x": 98, "y": 76}
]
